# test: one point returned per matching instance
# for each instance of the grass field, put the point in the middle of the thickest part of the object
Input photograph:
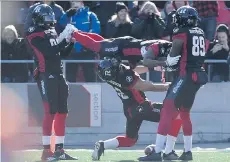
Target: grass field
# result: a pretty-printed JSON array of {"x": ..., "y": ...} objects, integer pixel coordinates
[{"x": 123, "y": 156}]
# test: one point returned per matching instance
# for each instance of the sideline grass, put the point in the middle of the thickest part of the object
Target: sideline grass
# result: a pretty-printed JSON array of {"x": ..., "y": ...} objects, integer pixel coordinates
[{"x": 123, "y": 156}]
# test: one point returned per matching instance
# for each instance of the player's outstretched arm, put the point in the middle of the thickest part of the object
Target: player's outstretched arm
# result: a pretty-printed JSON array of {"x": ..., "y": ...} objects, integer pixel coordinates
[
  {"x": 144, "y": 86},
  {"x": 141, "y": 69}
]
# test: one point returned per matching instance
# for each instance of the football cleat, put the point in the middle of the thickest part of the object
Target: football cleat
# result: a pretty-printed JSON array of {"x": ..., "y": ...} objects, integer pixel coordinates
[
  {"x": 98, "y": 150},
  {"x": 47, "y": 155},
  {"x": 186, "y": 156},
  {"x": 152, "y": 157},
  {"x": 60, "y": 154},
  {"x": 170, "y": 156}
]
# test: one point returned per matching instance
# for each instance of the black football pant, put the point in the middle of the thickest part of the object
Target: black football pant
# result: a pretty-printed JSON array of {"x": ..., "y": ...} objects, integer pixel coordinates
[
  {"x": 151, "y": 112},
  {"x": 184, "y": 88},
  {"x": 54, "y": 92}
]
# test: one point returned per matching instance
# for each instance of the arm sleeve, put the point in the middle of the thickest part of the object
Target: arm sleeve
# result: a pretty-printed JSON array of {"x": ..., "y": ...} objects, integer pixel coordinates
[
  {"x": 44, "y": 46},
  {"x": 96, "y": 28},
  {"x": 129, "y": 78}
]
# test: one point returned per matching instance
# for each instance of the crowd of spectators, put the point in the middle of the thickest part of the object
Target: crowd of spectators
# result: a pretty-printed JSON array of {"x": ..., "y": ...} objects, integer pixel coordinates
[{"x": 140, "y": 19}]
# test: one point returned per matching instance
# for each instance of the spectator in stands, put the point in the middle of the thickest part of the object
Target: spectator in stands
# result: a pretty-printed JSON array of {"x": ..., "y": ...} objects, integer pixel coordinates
[
  {"x": 149, "y": 24},
  {"x": 58, "y": 11},
  {"x": 134, "y": 11},
  {"x": 87, "y": 21},
  {"x": 104, "y": 10},
  {"x": 220, "y": 49},
  {"x": 208, "y": 12},
  {"x": 14, "y": 48},
  {"x": 120, "y": 24}
]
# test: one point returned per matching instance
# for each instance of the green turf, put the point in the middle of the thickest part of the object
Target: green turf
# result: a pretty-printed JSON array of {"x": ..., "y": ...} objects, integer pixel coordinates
[{"x": 122, "y": 156}]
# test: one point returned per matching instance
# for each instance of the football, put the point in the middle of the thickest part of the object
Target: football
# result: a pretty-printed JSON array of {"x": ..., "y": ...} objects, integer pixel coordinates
[{"x": 149, "y": 149}]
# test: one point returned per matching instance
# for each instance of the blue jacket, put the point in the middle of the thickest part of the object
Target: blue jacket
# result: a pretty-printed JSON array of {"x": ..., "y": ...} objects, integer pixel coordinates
[{"x": 83, "y": 20}]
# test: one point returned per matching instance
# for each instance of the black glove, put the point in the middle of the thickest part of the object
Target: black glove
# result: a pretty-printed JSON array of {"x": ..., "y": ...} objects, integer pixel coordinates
[{"x": 70, "y": 12}]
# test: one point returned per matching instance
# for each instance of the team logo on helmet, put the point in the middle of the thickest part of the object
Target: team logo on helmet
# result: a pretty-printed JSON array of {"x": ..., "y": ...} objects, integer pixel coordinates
[
  {"x": 31, "y": 29},
  {"x": 129, "y": 79}
]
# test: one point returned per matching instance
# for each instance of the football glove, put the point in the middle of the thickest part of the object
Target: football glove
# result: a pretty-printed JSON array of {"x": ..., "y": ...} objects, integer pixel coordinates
[{"x": 172, "y": 60}]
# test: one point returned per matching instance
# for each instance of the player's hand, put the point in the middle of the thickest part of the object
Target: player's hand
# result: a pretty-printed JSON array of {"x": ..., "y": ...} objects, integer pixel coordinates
[
  {"x": 70, "y": 29},
  {"x": 71, "y": 12},
  {"x": 172, "y": 60},
  {"x": 73, "y": 40}
]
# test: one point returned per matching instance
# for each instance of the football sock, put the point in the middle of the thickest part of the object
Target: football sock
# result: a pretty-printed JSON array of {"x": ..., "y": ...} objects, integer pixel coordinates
[
  {"x": 111, "y": 143},
  {"x": 59, "y": 140},
  {"x": 125, "y": 141},
  {"x": 160, "y": 141},
  {"x": 170, "y": 143},
  {"x": 46, "y": 142},
  {"x": 59, "y": 124},
  {"x": 172, "y": 136},
  {"x": 187, "y": 143},
  {"x": 47, "y": 126}
]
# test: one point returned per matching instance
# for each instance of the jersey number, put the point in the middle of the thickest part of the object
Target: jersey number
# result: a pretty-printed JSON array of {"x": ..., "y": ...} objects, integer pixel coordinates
[
  {"x": 121, "y": 94},
  {"x": 53, "y": 42},
  {"x": 198, "y": 46}
]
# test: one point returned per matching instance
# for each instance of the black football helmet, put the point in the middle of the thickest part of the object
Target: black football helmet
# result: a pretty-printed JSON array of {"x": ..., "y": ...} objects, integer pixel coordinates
[
  {"x": 186, "y": 16},
  {"x": 108, "y": 68},
  {"x": 43, "y": 16}
]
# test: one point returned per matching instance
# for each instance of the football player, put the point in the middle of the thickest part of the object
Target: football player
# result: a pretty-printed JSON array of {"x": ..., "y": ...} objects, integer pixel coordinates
[
  {"x": 127, "y": 48},
  {"x": 189, "y": 42},
  {"x": 49, "y": 49},
  {"x": 130, "y": 89}
]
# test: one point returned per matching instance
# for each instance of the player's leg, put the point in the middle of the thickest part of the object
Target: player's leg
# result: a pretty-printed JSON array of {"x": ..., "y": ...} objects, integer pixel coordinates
[
  {"x": 169, "y": 153},
  {"x": 87, "y": 41},
  {"x": 60, "y": 120},
  {"x": 168, "y": 113},
  {"x": 45, "y": 87},
  {"x": 186, "y": 121},
  {"x": 132, "y": 128},
  {"x": 95, "y": 36}
]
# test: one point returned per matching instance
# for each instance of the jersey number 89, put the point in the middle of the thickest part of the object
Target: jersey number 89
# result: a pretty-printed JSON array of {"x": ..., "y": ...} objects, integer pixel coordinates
[{"x": 198, "y": 46}]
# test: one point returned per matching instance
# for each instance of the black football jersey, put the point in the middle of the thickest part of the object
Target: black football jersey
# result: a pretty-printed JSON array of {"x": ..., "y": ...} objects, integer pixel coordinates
[
  {"x": 47, "y": 51},
  {"x": 123, "y": 85},
  {"x": 161, "y": 48},
  {"x": 193, "y": 50}
]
